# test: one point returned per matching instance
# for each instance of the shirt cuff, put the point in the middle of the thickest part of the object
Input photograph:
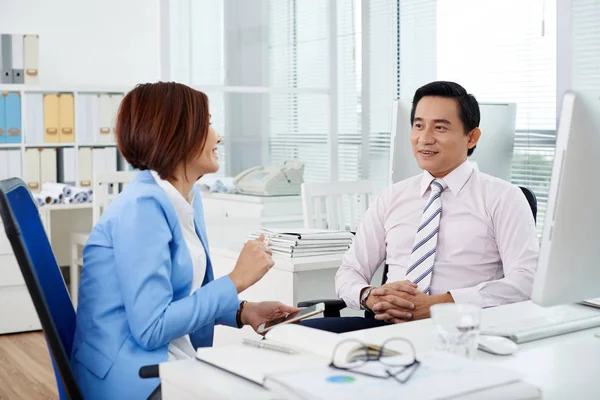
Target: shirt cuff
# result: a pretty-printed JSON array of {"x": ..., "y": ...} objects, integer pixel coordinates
[
  {"x": 469, "y": 295},
  {"x": 353, "y": 301}
]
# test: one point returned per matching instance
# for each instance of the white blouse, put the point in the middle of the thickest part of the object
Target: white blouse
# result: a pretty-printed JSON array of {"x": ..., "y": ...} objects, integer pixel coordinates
[{"x": 181, "y": 348}]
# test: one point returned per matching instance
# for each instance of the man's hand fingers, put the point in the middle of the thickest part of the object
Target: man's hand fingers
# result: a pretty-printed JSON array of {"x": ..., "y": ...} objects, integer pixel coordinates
[
  {"x": 395, "y": 313},
  {"x": 382, "y": 306},
  {"x": 383, "y": 317},
  {"x": 389, "y": 291},
  {"x": 404, "y": 286},
  {"x": 399, "y": 302}
]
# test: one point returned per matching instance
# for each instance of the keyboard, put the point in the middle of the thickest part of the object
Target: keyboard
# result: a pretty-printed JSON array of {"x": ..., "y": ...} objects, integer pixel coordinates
[{"x": 559, "y": 321}]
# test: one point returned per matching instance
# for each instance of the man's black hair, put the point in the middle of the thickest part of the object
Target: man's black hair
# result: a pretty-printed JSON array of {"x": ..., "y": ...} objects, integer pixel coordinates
[{"x": 469, "y": 108}]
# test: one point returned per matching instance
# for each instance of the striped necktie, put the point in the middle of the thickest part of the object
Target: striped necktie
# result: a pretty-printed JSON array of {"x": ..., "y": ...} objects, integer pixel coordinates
[{"x": 422, "y": 257}]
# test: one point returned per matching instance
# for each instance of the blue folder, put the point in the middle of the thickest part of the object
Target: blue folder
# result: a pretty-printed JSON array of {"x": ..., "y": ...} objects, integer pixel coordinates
[{"x": 12, "y": 107}]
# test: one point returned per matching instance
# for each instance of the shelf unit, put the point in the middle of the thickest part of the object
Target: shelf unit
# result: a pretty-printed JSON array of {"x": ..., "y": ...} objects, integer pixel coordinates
[{"x": 77, "y": 91}]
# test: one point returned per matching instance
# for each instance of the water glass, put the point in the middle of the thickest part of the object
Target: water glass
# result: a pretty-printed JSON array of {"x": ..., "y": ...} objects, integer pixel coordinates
[{"x": 456, "y": 327}]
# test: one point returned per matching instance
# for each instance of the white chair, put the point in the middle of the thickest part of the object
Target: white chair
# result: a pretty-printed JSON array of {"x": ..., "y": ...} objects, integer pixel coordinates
[
  {"x": 336, "y": 205},
  {"x": 107, "y": 187}
]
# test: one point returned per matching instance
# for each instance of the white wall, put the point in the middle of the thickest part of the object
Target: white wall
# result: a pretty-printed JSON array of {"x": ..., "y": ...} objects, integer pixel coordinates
[{"x": 89, "y": 42}]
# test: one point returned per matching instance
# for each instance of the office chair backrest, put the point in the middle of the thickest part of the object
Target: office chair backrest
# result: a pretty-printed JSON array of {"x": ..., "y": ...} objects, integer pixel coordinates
[
  {"x": 336, "y": 205},
  {"x": 531, "y": 199},
  {"x": 43, "y": 279},
  {"x": 106, "y": 188}
]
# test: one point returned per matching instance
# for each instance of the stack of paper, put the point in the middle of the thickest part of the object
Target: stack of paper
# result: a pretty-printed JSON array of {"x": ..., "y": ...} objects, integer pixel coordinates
[{"x": 305, "y": 242}]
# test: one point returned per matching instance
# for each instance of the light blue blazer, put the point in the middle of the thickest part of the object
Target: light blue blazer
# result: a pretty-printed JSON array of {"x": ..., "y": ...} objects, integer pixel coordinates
[{"x": 134, "y": 293}]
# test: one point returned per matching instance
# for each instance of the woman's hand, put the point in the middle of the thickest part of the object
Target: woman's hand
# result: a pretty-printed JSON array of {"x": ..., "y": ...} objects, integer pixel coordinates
[
  {"x": 254, "y": 314},
  {"x": 253, "y": 263}
]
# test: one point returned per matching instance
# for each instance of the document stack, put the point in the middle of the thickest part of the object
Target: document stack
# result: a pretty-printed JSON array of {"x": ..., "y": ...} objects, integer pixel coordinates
[{"x": 296, "y": 243}]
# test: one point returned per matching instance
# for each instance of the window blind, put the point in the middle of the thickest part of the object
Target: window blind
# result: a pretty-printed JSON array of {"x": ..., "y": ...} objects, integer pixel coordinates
[
  {"x": 585, "y": 38},
  {"x": 383, "y": 83},
  {"x": 298, "y": 58},
  {"x": 496, "y": 64}
]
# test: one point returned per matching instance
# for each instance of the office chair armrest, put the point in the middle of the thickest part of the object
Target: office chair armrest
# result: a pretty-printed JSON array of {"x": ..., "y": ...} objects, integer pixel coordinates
[
  {"x": 332, "y": 306},
  {"x": 149, "y": 371}
]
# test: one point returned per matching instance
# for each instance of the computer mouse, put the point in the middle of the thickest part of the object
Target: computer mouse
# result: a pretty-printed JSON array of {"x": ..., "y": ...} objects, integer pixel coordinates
[{"x": 496, "y": 345}]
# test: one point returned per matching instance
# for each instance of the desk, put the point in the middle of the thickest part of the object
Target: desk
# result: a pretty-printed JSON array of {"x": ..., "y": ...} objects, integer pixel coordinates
[
  {"x": 289, "y": 281},
  {"x": 563, "y": 367}
]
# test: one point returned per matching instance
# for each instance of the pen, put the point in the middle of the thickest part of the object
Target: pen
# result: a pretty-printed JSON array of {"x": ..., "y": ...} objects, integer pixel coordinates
[{"x": 261, "y": 344}]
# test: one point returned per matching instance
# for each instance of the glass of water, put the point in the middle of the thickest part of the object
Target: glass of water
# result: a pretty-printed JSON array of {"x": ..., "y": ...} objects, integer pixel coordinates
[{"x": 456, "y": 327}]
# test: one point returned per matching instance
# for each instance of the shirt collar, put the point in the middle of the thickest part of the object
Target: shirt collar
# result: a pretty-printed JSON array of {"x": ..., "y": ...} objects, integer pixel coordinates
[
  {"x": 182, "y": 206},
  {"x": 455, "y": 180}
]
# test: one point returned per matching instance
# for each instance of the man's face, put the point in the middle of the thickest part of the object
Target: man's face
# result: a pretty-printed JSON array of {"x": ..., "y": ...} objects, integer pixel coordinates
[{"x": 438, "y": 138}]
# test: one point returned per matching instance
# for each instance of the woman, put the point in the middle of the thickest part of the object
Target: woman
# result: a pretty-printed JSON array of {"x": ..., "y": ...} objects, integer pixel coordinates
[{"x": 147, "y": 292}]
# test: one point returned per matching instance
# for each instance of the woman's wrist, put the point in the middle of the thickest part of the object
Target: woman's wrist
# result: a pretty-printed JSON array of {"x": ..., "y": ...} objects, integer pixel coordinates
[{"x": 239, "y": 316}]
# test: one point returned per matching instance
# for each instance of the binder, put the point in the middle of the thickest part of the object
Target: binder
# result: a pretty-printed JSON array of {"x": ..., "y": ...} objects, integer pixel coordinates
[
  {"x": 99, "y": 162},
  {"x": 3, "y": 132},
  {"x": 17, "y": 59},
  {"x": 68, "y": 165},
  {"x": 116, "y": 103},
  {"x": 6, "y": 49},
  {"x": 31, "y": 174},
  {"x": 94, "y": 116},
  {"x": 83, "y": 118},
  {"x": 105, "y": 119},
  {"x": 110, "y": 159},
  {"x": 84, "y": 167},
  {"x": 66, "y": 119},
  {"x": 51, "y": 115},
  {"x": 48, "y": 165},
  {"x": 30, "y": 50},
  {"x": 14, "y": 163},
  {"x": 3, "y": 164},
  {"x": 34, "y": 118},
  {"x": 12, "y": 110}
]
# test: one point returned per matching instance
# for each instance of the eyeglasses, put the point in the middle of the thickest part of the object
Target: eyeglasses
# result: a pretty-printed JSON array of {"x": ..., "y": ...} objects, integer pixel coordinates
[{"x": 396, "y": 359}]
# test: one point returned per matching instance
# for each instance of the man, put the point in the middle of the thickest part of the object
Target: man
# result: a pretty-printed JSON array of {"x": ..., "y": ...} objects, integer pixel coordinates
[{"x": 451, "y": 234}]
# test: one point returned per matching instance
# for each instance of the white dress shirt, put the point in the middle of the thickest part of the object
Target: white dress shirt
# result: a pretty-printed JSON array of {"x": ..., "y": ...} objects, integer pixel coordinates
[
  {"x": 487, "y": 248},
  {"x": 182, "y": 348}
]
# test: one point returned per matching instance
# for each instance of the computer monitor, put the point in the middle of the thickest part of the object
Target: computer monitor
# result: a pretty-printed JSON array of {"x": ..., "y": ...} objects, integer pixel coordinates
[
  {"x": 494, "y": 152},
  {"x": 569, "y": 264}
]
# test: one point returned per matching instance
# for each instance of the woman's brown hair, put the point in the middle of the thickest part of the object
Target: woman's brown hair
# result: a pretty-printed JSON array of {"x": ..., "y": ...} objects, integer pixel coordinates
[{"x": 160, "y": 125}]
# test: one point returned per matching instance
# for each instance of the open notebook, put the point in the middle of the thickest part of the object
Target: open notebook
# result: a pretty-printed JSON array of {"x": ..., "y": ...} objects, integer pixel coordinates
[{"x": 312, "y": 348}]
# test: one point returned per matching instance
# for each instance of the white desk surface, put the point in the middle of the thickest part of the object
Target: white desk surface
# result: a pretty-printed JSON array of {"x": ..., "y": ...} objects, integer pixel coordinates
[{"x": 563, "y": 367}]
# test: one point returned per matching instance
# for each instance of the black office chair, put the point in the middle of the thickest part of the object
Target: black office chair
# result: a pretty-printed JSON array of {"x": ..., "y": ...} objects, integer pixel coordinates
[
  {"x": 334, "y": 306},
  {"x": 43, "y": 279}
]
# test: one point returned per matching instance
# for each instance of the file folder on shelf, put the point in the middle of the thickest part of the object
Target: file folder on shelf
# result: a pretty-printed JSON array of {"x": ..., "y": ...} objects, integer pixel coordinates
[
  {"x": 68, "y": 165},
  {"x": 4, "y": 164},
  {"x": 66, "y": 119},
  {"x": 17, "y": 59},
  {"x": 110, "y": 158},
  {"x": 34, "y": 118},
  {"x": 94, "y": 115},
  {"x": 14, "y": 163},
  {"x": 51, "y": 118},
  {"x": 84, "y": 167},
  {"x": 105, "y": 119},
  {"x": 116, "y": 103},
  {"x": 83, "y": 118},
  {"x": 3, "y": 132},
  {"x": 98, "y": 161},
  {"x": 30, "y": 49},
  {"x": 48, "y": 165},
  {"x": 32, "y": 169},
  {"x": 12, "y": 108},
  {"x": 6, "y": 51}
]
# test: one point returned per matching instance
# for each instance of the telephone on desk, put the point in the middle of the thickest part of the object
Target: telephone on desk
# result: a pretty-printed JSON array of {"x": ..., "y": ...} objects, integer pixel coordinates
[{"x": 275, "y": 180}]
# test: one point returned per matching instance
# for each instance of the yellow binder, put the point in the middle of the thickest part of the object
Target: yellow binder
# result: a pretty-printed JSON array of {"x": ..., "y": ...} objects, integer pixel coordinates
[
  {"x": 51, "y": 114},
  {"x": 66, "y": 118},
  {"x": 31, "y": 174}
]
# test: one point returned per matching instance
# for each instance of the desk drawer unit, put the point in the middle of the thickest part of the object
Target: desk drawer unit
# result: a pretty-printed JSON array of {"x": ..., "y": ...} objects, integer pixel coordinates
[{"x": 17, "y": 313}]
